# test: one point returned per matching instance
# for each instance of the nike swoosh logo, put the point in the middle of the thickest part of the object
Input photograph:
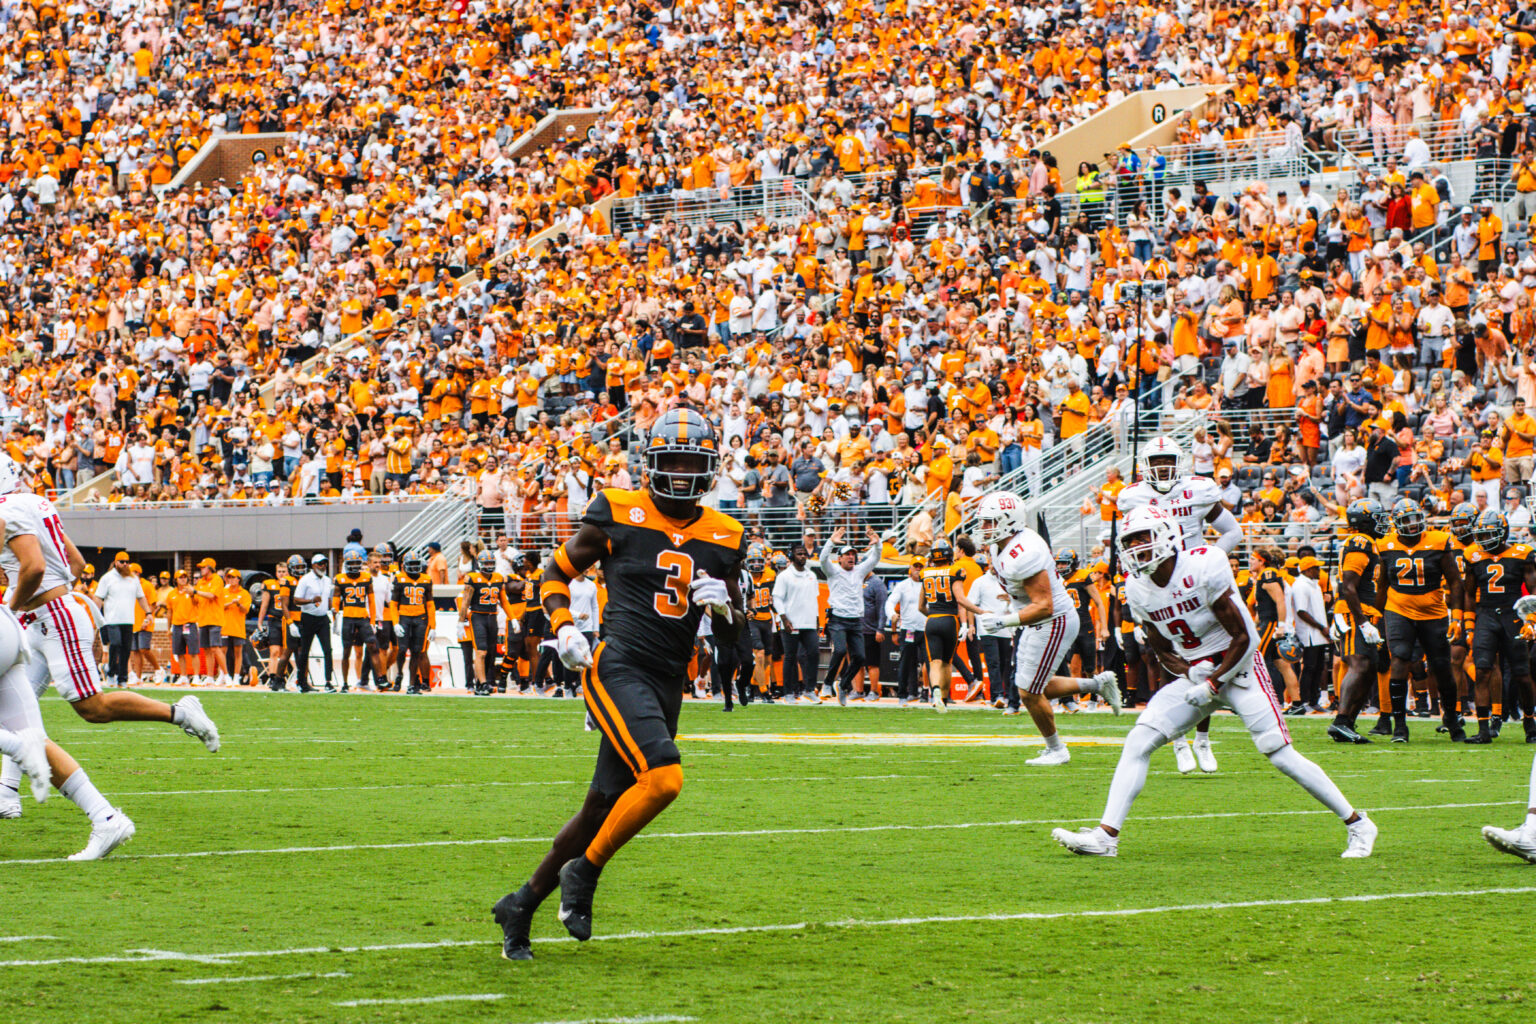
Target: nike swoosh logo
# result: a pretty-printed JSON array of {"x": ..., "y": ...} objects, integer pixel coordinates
[{"x": 720, "y": 536}]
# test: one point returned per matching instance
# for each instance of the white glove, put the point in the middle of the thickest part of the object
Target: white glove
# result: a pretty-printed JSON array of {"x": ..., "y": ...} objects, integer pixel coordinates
[
  {"x": 1369, "y": 633},
  {"x": 993, "y": 622},
  {"x": 1140, "y": 635},
  {"x": 1200, "y": 693},
  {"x": 572, "y": 647},
  {"x": 711, "y": 593},
  {"x": 515, "y": 625},
  {"x": 1340, "y": 624}
]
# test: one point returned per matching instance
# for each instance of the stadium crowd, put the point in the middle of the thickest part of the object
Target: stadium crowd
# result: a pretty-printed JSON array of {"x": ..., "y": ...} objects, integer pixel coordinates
[{"x": 949, "y": 305}]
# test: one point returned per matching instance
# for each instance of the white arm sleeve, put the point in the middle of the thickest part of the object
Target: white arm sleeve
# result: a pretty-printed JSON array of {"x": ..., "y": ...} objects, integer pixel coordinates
[{"x": 1231, "y": 532}]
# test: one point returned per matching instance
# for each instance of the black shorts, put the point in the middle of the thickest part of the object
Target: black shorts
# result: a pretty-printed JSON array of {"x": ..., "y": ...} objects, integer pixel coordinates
[
  {"x": 413, "y": 632},
  {"x": 535, "y": 624},
  {"x": 184, "y": 639},
  {"x": 485, "y": 630},
  {"x": 1352, "y": 644},
  {"x": 1496, "y": 635},
  {"x": 1130, "y": 647},
  {"x": 636, "y": 709},
  {"x": 356, "y": 633},
  {"x": 1085, "y": 647},
  {"x": 762, "y": 634},
  {"x": 1266, "y": 639},
  {"x": 384, "y": 633},
  {"x": 209, "y": 636},
  {"x": 1429, "y": 635},
  {"x": 942, "y": 634},
  {"x": 143, "y": 640},
  {"x": 871, "y": 651}
]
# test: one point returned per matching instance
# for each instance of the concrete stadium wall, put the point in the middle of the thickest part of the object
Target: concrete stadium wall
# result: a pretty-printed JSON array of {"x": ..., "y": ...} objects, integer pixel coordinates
[
  {"x": 1103, "y": 132},
  {"x": 148, "y": 532}
]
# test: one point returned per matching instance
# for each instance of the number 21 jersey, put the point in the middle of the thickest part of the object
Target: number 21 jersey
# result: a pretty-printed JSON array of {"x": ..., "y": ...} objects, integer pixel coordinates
[
  {"x": 1184, "y": 611},
  {"x": 650, "y": 622}
]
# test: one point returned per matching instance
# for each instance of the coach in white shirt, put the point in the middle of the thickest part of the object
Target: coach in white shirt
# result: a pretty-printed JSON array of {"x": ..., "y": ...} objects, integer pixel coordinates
[
  {"x": 1307, "y": 608},
  {"x": 988, "y": 594},
  {"x": 312, "y": 595},
  {"x": 119, "y": 592},
  {"x": 795, "y": 594},
  {"x": 845, "y": 606}
]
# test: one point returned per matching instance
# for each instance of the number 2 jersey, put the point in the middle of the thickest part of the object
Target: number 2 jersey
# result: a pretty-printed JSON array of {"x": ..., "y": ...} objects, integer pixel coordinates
[
  {"x": 1494, "y": 581},
  {"x": 650, "y": 622},
  {"x": 32, "y": 515},
  {"x": 1021, "y": 559},
  {"x": 1411, "y": 574},
  {"x": 1188, "y": 503},
  {"x": 1184, "y": 611}
]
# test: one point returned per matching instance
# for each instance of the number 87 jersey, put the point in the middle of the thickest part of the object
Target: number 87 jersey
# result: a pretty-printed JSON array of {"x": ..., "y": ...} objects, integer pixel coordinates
[
  {"x": 1183, "y": 611},
  {"x": 649, "y": 621}
]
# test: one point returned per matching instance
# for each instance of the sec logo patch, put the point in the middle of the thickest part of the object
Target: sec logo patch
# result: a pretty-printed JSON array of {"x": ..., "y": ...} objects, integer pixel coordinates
[{"x": 637, "y": 515}]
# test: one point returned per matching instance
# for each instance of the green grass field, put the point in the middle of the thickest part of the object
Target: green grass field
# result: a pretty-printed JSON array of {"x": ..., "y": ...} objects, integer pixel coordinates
[{"x": 337, "y": 861}]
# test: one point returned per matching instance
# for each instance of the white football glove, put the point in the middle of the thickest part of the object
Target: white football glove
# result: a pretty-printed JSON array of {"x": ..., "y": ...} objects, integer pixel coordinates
[
  {"x": 993, "y": 622},
  {"x": 711, "y": 593},
  {"x": 1140, "y": 635},
  {"x": 1200, "y": 693},
  {"x": 1369, "y": 633},
  {"x": 1340, "y": 627},
  {"x": 515, "y": 625},
  {"x": 572, "y": 647}
]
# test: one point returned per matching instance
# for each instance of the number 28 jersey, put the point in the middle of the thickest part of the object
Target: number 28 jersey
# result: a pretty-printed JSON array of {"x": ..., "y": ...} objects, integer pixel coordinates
[
  {"x": 1184, "y": 611},
  {"x": 650, "y": 622}
]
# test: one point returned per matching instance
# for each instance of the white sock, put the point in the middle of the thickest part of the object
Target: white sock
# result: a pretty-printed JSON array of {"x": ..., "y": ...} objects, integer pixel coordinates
[
  {"x": 1203, "y": 737},
  {"x": 79, "y": 790},
  {"x": 1530, "y": 808},
  {"x": 10, "y": 743},
  {"x": 1130, "y": 774},
  {"x": 1053, "y": 742},
  {"x": 10, "y": 774},
  {"x": 1087, "y": 686},
  {"x": 1312, "y": 778},
  {"x": 1182, "y": 743}
]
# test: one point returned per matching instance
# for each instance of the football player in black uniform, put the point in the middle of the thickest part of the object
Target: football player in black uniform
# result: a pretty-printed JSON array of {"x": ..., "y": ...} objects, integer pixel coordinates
[
  {"x": 1085, "y": 598},
  {"x": 1462, "y": 525},
  {"x": 1420, "y": 583},
  {"x": 1496, "y": 570},
  {"x": 415, "y": 618},
  {"x": 667, "y": 560},
  {"x": 942, "y": 599},
  {"x": 1355, "y": 620}
]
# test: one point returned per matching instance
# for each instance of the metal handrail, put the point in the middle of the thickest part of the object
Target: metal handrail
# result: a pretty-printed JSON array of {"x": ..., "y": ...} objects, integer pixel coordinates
[{"x": 280, "y": 501}]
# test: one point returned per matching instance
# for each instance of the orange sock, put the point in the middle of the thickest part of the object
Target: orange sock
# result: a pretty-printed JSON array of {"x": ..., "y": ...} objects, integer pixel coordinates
[
  {"x": 649, "y": 796},
  {"x": 1384, "y": 692},
  {"x": 1498, "y": 709}
]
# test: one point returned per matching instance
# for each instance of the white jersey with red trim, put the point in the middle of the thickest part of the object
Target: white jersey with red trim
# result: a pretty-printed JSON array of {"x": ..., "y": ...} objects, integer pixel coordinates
[
  {"x": 1022, "y": 558},
  {"x": 1184, "y": 610},
  {"x": 1187, "y": 503},
  {"x": 32, "y": 515}
]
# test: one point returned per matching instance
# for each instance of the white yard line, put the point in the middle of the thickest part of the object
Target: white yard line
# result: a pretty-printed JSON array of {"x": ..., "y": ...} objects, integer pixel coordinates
[
  {"x": 746, "y": 833},
  {"x": 476, "y": 997},
  {"x": 493, "y": 783},
  {"x": 664, "y": 1018},
  {"x": 241, "y": 980},
  {"x": 27, "y": 938},
  {"x": 161, "y": 956}
]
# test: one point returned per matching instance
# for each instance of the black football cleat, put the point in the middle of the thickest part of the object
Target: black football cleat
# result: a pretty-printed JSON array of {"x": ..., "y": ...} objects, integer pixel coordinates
[
  {"x": 1495, "y": 726},
  {"x": 1383, "y": 727},
  {"x": 1400, "y": 735},
  {"x": 576, "y": 890},
  {"x": 1454, "y": 726},
  {"x": 515, "y": 918},
  {"x": 1478, "y": 738},
  {"x": 1344, "y": 734},
  {"x": 1530, "y": 729}
]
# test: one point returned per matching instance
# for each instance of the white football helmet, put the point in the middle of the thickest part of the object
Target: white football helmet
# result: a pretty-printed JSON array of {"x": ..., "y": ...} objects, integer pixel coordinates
[
  {"x": 998, "y": 516},
  {"x": 1162, "y": 463},
  {"x": 1148, "y": 538},
  {"x": 10, "y": 475}
]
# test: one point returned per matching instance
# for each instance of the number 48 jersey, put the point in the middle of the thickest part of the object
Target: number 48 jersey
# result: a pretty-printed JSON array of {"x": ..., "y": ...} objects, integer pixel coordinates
[
  {"x": 1184, "y": 611},
  {"x": 650, "y": 622}
]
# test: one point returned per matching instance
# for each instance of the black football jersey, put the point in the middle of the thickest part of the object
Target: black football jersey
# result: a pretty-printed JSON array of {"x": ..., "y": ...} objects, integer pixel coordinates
[
  {"x": 939, "y": 585},
  {"x": 1359, "y": 557},
  {"x": 1078, "y": 590},
  {"x": 1495, "y": 581},
  {"x": 412, "y": 594},
  {"x": 650, "y": 622}
]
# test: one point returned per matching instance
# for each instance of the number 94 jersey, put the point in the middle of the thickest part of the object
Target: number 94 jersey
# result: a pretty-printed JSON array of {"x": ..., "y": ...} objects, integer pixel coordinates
[
  {"x": 1184, "y": 611},
  {"x": 649, "y": 621}
]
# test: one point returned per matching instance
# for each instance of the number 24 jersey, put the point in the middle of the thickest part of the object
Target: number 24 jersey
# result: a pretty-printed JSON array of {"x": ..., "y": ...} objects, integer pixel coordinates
[{"x": 650, "y": 622}]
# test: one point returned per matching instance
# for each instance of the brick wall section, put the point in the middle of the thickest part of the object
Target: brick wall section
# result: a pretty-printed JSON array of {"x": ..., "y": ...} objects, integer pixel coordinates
[
  {"x": 231, "y": 157},
  {"x": 577, "y": 120}
]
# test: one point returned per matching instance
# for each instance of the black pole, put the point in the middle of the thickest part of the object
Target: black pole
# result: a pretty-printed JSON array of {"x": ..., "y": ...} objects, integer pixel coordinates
[{"x": 1114, "y": 523}]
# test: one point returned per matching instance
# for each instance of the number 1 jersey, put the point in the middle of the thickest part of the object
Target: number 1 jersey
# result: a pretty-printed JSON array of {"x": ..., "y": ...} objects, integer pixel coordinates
[{"x": 649, "y": 622}]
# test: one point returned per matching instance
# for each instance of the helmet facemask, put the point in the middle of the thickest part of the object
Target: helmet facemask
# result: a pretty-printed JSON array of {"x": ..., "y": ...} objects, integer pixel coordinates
[{"x": 681, "y": 474}]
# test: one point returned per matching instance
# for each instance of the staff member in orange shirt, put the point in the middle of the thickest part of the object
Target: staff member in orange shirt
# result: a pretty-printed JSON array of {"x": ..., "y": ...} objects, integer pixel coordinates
[{"x": 237, "y": 602}]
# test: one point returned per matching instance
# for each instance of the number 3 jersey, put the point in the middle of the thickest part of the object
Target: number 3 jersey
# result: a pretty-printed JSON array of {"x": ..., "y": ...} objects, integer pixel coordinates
[
  {"x": 1184, "y": 611},
  {"x": 1187, "y": 503},
  {"x": 650, "y": 622}
]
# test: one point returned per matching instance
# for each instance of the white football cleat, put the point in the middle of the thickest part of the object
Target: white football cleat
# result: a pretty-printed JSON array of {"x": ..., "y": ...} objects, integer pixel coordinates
[
  {"x": 33, "y": 758},
  {"x": 1203, "y": 756},
  {"x": 10, "y": 803},
  {"x": 1183, "y": 757},
  {"x": 196, "y": 723},
  {"x": 1058, "y": 756},
  {"x": 1090, "y": 842},
  {"x": 936, "y": 696},
  {"x": 106, "y": 837},
  {"x": 1515, "y": 841},
  {"x": 1362, "y": 838},
  {"x": 1109, "y": 689}
]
